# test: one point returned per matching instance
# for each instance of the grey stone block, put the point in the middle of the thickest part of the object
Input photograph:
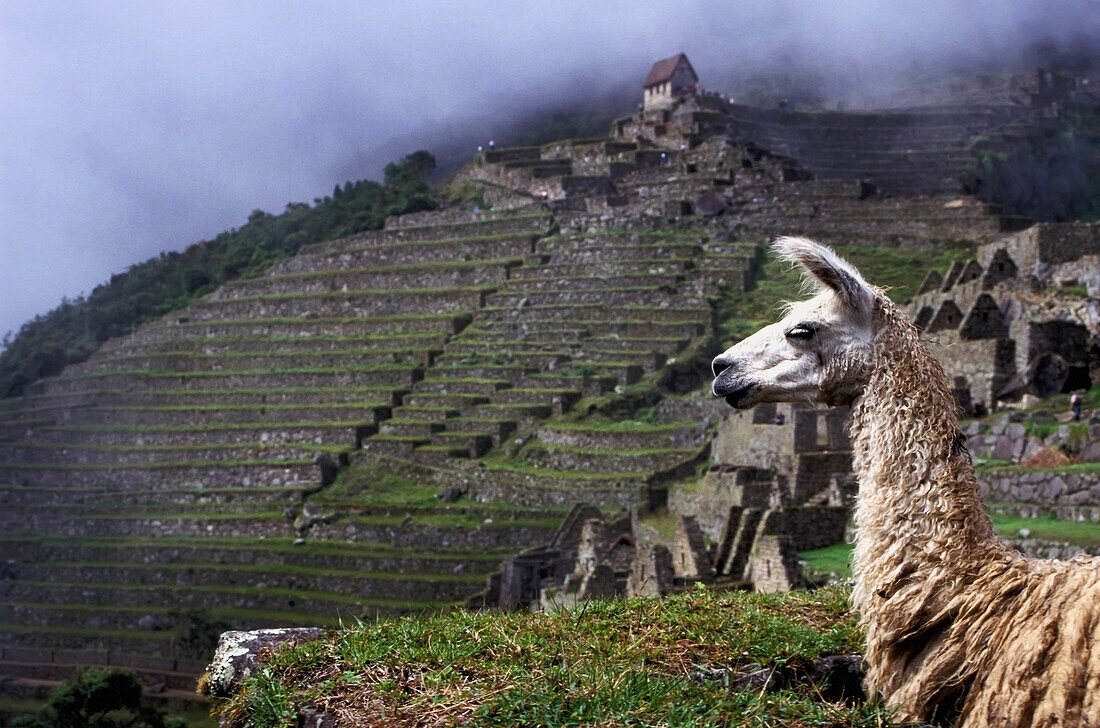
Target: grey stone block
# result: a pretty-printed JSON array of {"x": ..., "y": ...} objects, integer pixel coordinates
[{"x": 238, "y": 653}]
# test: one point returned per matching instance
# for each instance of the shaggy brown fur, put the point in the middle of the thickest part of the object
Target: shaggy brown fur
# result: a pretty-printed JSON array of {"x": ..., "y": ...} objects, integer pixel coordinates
[{"x": 960, "y": 628}]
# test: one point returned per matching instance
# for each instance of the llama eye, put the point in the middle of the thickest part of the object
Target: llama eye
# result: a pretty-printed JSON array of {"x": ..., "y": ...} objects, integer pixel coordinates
[{"x": 802, "y": 331}]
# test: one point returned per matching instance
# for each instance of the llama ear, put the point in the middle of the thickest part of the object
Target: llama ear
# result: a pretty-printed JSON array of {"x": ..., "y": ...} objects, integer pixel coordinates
[{"x": 827, "y": 268}]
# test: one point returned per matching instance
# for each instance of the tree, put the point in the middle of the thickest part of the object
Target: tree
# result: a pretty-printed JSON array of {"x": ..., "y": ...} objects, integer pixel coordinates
[{"x": 97, "y": 698}]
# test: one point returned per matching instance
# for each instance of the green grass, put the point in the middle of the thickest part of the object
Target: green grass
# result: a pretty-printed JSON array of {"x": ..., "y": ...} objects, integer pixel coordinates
[
  {"x": 1049, "y": 528},
  {"x": 215, "y": 592},
  {"x": 609, "y": 663},
  {"x": 996, "y": 465},
  {"x": 835, "y": 559},
  {"x": 277, "y": 569},
  {"x": 499, "y": 462},
  {"x": 249, "y": 543}
]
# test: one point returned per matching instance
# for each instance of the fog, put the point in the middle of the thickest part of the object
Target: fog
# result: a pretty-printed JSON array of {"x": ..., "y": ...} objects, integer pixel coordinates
[{"x": 130, "y": 128}]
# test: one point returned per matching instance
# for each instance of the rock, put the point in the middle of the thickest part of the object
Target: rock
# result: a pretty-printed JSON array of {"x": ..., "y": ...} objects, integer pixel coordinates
[
  {"x": 311, "y": 718},
  {"x": 451, "y": 494},
  {"x": 1031, "y": 446},
  {"x": 1023, "y": 533},
  {"x": 1006, "y": 448},
  {"x": 238, "y": 652},
  {"x": 1053, "y": 488}
]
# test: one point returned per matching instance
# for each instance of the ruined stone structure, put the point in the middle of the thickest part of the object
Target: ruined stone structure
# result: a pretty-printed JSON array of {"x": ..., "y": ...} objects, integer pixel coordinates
[
  {"x": 790, "y": 483},
  {"x": 1021, "y": 319},
  {"x": 772, "y": 490}
]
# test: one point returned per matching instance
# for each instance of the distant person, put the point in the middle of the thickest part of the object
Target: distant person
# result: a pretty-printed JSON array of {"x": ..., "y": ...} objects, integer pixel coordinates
[
  {"x": 664, "y": 159},
  {"x": 779, "y": 419},
  {"x": 480, "y": 149},
  {"x": 492, "y": 144},
  {"x": 1075, "y": 406}
]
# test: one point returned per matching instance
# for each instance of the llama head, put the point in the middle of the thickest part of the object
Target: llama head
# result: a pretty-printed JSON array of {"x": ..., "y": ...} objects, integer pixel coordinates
[{"x": 818, "y": 352}]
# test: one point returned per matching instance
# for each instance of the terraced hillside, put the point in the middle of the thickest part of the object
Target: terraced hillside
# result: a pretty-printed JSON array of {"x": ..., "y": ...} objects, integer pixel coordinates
[
  {"x": 151, "y": 493},
  {"x": 909, "y": 151},
  {"x": 370, "y": 427}
]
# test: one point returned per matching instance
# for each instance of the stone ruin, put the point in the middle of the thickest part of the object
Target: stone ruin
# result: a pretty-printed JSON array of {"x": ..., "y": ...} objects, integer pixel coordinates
[
  {"x": 773, "y": 490},
  {"x": 1021, "y": 320}
]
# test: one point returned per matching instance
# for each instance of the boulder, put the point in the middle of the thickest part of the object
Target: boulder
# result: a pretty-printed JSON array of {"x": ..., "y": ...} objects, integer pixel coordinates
[{"x": 238, "y": 653}]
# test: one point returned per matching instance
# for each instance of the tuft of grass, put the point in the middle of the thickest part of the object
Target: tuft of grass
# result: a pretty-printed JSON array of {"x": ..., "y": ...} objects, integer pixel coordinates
[{"x": 612, "y": 663}]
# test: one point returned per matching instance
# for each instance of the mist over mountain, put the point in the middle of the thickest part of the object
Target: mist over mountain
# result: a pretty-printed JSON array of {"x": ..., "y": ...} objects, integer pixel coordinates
[{"x": 131, "y": 129}]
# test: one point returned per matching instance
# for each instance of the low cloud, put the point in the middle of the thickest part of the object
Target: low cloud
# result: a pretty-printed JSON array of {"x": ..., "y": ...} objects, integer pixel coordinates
[{"x": 132, "y": 128}]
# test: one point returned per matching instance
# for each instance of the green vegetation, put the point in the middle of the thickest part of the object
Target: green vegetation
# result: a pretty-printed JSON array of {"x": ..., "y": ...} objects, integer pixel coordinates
[
  {"x": 621, "y": 662},
  {"x": 837, "y": 558},
  {"x": 75, "y": 329},
  {"x": 1083, "y": 534},
  {"x": 97, "y": 698},
  {"x": 1050, "y": 173}
]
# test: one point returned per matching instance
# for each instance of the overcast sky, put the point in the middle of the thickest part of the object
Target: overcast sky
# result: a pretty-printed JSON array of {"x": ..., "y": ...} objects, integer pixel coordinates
[{"x": 129, "y": 128}]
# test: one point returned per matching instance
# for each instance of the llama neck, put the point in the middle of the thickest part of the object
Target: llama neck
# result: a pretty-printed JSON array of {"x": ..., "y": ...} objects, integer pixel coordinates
[{"x": 918, "y": 499}]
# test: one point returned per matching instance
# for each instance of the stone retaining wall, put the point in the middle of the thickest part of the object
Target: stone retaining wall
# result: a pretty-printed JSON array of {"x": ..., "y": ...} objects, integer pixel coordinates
[{"x": 1052, "y": 490}]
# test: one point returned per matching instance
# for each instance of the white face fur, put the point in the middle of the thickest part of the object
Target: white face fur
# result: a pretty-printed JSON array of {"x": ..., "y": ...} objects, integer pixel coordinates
[{"x": 817, "y": 352}]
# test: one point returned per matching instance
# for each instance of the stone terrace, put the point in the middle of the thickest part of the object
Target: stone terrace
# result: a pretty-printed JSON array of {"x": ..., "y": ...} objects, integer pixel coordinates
[{"x": 161, "y": 482}]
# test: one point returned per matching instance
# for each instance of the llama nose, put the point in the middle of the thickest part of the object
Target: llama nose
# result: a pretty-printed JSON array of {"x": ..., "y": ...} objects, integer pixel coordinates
[{"x": 720, "y": 364}]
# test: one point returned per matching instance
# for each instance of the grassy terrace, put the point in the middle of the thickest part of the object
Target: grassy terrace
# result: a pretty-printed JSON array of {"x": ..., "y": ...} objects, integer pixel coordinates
[
  {"x": 338, "y": 408},
  {"x": 669, "y": 661},
  {"x": 202, "y": 357},
  {"x": 112, "y": 592},
  {"x": 163, "y": 373},
  {"x": 279, "y": 549},
  {"x": 215, "y": 447},
  {"x": 352, "y": 247},
  {"x": 497, "y": 217},
  {"x": 246, "y": 572},
  {"x": 36, "y": 465},
  {"x": 382, "y": 392},
  {"x": 503, "y": 464},
  {"x": 135, "y": 612},
  {"x": 401, "y": 322},
  {"x": 427, "y": 267},
  {"x": 351, "y": 293}
]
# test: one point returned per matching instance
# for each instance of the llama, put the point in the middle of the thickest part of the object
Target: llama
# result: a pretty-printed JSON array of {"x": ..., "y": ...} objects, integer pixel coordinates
[{"x": 960, "y": 628}]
